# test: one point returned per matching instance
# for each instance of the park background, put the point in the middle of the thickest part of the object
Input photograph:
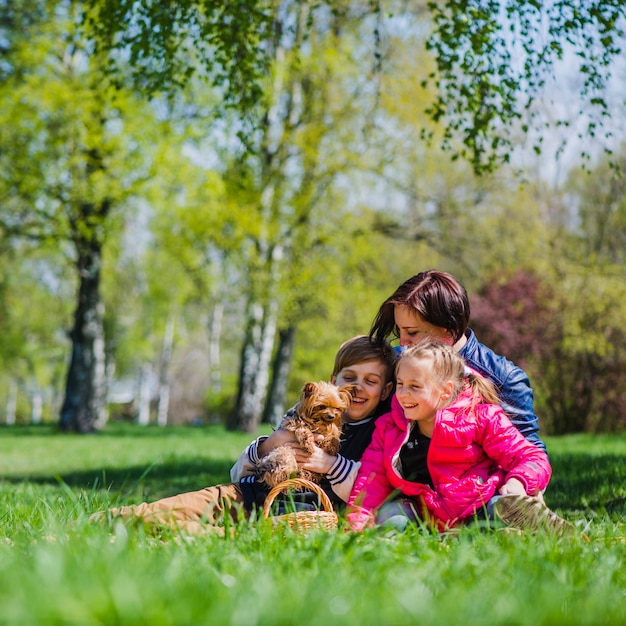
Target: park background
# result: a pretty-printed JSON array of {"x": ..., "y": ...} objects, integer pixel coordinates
[{"x": 183, "y": 247}]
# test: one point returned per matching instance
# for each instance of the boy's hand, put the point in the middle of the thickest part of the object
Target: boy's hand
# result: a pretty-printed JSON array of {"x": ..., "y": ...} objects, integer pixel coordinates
[
  {"x": 317, "y": 461},
  {"x": 278, "y": 438}
]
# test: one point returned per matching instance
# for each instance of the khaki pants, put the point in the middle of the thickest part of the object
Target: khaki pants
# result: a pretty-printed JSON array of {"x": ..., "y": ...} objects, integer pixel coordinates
[{"x": 195, "y": 512}]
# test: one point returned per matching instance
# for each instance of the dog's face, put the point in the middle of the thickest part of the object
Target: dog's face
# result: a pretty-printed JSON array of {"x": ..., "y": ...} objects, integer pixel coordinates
[{"x": 323, "y": 404}]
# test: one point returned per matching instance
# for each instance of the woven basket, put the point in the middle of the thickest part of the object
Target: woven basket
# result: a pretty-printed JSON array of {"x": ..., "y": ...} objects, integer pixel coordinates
[{"x": 325, "y": 519}]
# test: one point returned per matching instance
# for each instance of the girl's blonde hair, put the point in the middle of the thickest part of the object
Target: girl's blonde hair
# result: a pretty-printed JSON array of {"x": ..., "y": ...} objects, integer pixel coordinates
[{"x": 448, "y": 365}]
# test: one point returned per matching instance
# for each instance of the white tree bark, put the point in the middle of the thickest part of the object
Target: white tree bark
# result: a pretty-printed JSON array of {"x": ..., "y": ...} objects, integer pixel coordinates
[
  {"x": 164, "y": 383},
  {"x": 11, "y": 404},
  {"x": 143, "y": 417}
]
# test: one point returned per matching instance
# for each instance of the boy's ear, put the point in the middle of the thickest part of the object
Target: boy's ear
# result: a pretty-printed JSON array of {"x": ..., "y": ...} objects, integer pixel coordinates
[
  {"x": 386, "y": 391},
  {"x": 333, "y": 380}
]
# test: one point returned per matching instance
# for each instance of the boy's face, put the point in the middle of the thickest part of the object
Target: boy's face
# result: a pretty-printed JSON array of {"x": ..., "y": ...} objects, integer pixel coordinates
[{"x": 371, "y": 388}]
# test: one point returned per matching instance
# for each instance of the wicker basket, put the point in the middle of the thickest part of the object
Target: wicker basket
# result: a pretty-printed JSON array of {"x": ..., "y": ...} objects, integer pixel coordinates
[{"x": 325, "y": 519}]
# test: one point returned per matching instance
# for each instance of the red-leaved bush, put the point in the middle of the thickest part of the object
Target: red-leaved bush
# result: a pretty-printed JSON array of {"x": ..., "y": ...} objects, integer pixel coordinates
[{"x": 576, "y": 390}]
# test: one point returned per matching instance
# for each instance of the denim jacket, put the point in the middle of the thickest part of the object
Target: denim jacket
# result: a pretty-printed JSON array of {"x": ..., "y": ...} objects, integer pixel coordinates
[{"x": 512, "y": 384}]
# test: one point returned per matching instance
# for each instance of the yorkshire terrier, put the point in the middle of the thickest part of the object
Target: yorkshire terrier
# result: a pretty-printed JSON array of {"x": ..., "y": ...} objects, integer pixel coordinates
[{"x": 318, "y": 412}]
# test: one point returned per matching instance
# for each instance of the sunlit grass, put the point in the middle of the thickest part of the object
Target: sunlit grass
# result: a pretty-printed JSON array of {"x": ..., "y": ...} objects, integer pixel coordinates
[{"x": 58, "y": 569}]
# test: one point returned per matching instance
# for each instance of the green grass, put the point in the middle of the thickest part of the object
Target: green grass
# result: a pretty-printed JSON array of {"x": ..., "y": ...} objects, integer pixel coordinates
[{"x": 55, "y": 568}]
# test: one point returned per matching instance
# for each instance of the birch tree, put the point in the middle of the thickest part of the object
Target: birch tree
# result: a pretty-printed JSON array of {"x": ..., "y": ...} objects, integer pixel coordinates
[
  {"x": 316, "y": 97},
  {"x": 263, "y": 232}
]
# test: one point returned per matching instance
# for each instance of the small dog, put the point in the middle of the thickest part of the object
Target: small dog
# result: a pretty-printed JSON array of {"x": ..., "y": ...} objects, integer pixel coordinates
[{"x": 318, "y": 412}]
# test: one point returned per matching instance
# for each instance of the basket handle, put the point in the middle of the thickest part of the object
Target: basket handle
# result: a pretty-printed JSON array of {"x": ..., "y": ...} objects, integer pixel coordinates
[{"x": 296, "y": 482}]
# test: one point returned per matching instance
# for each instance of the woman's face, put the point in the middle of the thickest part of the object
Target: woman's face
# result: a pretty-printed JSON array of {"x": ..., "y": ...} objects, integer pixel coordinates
[{"x": 413, "y": 328}]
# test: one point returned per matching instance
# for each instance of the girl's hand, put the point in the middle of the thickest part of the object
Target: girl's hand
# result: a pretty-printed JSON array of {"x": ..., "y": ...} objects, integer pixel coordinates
[{"x": 513, "y": 487}]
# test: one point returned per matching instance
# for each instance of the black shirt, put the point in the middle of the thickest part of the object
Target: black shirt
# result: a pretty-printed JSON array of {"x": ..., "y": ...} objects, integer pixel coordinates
[{"x": 413, "y": 455}]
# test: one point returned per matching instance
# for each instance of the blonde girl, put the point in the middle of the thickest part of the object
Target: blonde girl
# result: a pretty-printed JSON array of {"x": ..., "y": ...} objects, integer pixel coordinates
[{"x": 449, "y": 450}]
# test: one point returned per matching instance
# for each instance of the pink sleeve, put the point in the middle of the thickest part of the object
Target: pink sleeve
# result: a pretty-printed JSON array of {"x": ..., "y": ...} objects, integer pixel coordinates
[
  {"x": 371, "y": 487},
  {"x": 521, "y": 459}
]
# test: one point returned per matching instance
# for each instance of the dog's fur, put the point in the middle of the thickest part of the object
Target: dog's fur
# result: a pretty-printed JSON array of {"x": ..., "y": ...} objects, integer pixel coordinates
[{"x": 318, "y": 412}]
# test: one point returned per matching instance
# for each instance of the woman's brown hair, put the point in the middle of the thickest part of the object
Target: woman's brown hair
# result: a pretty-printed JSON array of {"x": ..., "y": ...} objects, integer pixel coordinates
[{"x": 439, "y": 299}]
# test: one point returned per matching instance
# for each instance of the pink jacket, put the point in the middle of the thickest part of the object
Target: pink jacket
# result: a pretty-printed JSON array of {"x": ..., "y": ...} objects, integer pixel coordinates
[{"x": 472, "y": 453}]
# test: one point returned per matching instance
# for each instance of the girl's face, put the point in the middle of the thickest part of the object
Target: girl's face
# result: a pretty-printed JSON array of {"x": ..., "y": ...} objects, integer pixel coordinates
[
  {"x": 412, "y": 327},
  {"x": 417, "y": 391},
  {"x": 371, "y": 388}
]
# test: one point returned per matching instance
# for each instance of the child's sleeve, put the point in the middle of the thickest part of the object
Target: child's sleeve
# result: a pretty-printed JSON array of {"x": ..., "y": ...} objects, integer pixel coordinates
[
  {"x": 521, "y": 459},
  {"x": 247, "y": 462},
  {"x": 342, "y": 476},
  {"x": 371, "y": 487}
]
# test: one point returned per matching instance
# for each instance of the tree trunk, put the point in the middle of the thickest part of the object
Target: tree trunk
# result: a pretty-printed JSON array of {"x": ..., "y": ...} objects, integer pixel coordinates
[
  {"x": 37, "y": 405},
  {"x": 254, "y": 371},
  {"x": 11, "y": 404},
  {"x": 164, "y": 377},
  {"x": 215, "y": 333},
  {"x": 275, "y": 405},
  {"x": 84, "y": 406},
  {"x": 145, "y": 384}
]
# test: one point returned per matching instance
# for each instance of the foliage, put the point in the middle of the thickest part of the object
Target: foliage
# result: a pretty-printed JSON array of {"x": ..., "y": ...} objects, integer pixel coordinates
[
  {"x": 599, "y": 204},
  {"x": 66, "y": 172},
  {"x": 34, "y": 312},
  {"x": 493, "y": 59},
  {"x": 518, "y": 316},
  {"x": 159, "y": 46},
  {"x": 359, "y": 202},
  {"x": 573, "y": 350},
  {"x": 78, "y": 152},
  {"x": 83, "y": 573}
]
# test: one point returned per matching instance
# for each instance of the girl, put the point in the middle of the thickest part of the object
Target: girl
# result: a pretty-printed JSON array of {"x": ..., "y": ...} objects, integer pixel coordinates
[{"x": 449, "y": 449}]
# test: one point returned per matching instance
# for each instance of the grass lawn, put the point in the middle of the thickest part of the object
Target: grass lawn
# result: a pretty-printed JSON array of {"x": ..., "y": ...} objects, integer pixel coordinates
[{"x": 55, "y": 568}]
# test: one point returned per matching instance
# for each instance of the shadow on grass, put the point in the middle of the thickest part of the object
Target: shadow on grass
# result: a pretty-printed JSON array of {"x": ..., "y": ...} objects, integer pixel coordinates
[
  {"x": 588, "y": 482},
  {"x": 581, "y": 481},
  {"x": 158, "y": 480}
]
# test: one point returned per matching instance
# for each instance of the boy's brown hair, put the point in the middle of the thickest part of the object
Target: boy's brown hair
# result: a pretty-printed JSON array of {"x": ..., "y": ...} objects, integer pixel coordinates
[{"x": 363, "y": 349}]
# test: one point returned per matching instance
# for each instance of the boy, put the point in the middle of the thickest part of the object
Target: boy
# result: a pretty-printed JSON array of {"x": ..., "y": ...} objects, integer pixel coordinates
[{"x": 360, "y": 361}]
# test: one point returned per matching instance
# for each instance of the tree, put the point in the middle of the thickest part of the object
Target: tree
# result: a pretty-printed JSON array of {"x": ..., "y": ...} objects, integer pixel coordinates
[
  {"x": 268, "y": 216},
  {"x": 494, "y": 58},
  {"x": 572, "y": 347},
  {"x": 33, "y": 305},
  {"x": 68, "y": 171},
  {"x": 599, "y": 202}
]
